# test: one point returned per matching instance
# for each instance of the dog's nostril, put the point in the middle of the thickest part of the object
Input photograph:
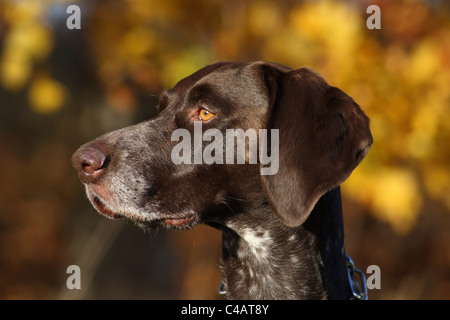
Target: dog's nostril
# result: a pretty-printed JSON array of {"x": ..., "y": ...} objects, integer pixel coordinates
[
  {"x": 93, "y": 164},
  {"x": 91, "y": 168},
  {"x": 87, "y": 168},
  {"x": 90, "y": 163}
]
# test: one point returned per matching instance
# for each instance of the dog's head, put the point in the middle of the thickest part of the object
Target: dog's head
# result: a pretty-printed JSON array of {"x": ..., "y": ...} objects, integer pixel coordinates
[{"x": 187, "y": 164}]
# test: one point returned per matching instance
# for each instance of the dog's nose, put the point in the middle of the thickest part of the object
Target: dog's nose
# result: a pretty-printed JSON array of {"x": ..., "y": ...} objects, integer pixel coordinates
[{"x": 90, "y": 162}]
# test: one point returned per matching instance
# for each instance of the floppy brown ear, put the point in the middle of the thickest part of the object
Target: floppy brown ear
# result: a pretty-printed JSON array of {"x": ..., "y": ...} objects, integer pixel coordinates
[{"x": 323, "y": 135}]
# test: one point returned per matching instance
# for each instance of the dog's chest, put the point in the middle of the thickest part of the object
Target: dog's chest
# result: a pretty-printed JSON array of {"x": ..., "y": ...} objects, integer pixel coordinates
[{"x": 262, "y": 265}]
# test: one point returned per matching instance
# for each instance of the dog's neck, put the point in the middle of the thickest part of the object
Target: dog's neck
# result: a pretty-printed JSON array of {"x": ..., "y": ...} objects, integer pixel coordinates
[{"x": 263, "y": 259}]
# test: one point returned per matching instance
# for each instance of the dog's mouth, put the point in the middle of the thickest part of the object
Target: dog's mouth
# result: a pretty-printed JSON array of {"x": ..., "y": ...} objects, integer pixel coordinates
[
  {"x": 183, "y": 223},
  {"x": 180, "y": 222},
  {"x": 103, "y": 207}
]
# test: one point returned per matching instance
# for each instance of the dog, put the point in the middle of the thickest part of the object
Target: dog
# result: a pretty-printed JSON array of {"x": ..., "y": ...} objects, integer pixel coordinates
[{"x": 282, "y": 232}]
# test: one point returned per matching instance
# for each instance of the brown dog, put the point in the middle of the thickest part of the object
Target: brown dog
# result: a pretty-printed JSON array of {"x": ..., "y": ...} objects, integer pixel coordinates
[{"x": 282, "y": 232}]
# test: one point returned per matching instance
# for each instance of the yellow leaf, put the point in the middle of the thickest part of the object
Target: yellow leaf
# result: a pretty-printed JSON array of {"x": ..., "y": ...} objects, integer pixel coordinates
[
  {"x": 137, "y": 43},
  {"x": 392, "y": 195},
  {"x": 184, "y": 64},
  {"x": 24, "y": 43},
  {"x": 32, "y": 38},
  {"x": 424, "y": 63},
  {"x": 437, "y": 182},
  {"x": 264, "y": 18},
  {"x": 15, "y": 69},
  {"x": 46, "y": 95}
]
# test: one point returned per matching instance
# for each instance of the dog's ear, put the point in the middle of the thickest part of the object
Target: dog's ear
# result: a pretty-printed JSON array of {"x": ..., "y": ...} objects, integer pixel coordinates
[{"x": 323, "y": 135}]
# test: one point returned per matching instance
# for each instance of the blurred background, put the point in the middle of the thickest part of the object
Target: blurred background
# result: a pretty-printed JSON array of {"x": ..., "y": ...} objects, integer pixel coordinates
[{"x": 60, "y": 88}]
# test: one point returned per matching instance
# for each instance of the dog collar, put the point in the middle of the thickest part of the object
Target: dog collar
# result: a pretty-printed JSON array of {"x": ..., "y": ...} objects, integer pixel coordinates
[{"x": 352, "y": 270}]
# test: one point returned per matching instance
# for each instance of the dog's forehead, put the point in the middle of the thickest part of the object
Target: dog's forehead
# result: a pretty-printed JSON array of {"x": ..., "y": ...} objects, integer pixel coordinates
[
  {"x": 222, "y": 76},
  {"x": 229, "y": 75},
  {"x": 185, "y": 84},
  {"x": 238, "y": 84}
]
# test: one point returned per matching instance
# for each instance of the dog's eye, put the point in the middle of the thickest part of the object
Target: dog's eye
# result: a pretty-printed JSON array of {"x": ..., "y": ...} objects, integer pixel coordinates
[{"x": 205, "y": 115}]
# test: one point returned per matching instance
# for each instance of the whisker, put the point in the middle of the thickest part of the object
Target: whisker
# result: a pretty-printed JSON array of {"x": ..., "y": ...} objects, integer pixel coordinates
[
  {"x": 229, "y": 207},
  {"x": 234, "y": 198}
]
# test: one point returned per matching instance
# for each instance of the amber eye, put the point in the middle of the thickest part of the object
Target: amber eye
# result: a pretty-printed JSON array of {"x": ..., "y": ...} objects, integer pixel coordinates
[{"x": 205, "y": 115}]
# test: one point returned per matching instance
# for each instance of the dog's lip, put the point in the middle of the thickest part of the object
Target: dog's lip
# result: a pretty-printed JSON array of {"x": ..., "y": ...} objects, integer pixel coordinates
[
  {"x": 102, "y": 206},
  {"x": 180, "y": 222},
  {"x": 104, "y": 210},
  {"x": 96, "y": 196}
]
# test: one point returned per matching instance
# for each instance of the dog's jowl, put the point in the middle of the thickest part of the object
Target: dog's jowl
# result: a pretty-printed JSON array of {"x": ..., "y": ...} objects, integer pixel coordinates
[{"x": 274, "y": 195}]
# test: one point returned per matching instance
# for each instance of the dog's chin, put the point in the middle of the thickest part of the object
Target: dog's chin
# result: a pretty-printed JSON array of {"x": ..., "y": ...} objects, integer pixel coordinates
[
  {"x": 180, "y": 223},
  {"x": 185, "y": 222}
]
